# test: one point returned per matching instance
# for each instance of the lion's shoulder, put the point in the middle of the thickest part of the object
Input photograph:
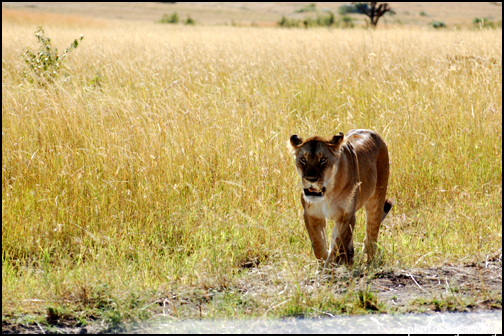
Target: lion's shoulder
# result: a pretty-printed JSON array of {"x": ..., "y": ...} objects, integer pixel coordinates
[{"x": 365, "y": 139}]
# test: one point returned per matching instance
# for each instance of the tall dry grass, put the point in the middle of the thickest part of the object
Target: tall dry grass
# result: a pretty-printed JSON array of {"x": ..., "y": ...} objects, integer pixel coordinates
[{"x": 160, "y": 160}]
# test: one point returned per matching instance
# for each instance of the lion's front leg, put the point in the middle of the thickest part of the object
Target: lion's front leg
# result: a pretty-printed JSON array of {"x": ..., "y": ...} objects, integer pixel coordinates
[
  {"x": 341, "y": 250},
  {"x": 315, "y": 225}
]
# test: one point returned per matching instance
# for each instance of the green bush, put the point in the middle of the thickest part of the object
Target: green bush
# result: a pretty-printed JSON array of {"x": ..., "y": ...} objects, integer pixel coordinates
[
  {"x": 483, "y": 23},
  {"x": 320, "y": 21},
  {"x": 309, "y": 8},
  {"x": 170, "y": 18},
  {"x": 349, "y": 9},
  {"x": 309, "y": 22},
  {"x": 347, "y": 22},
  {"x": 288, "y": 23},
  {"x": 46, "y": 63},
  {"x": 437, "y": 24},
  {"x": 189, "y": 21},
  {"x": 326, "y": 21}
]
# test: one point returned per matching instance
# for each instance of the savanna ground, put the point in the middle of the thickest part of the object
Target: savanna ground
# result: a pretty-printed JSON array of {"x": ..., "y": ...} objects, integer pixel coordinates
[{"x": 150, "y": 180}]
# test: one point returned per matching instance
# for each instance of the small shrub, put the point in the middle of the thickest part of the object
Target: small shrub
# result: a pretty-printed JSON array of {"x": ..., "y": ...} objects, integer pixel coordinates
[
  {"x": 483, "y": 23},
  {"x": 288, "y": 23},
  {"x": 189, "y": 21},
  {"x": 422, "y": 13},
  {"x": 320, "y": 21},
  {"x": 437, "y": 24},
  {"x": 309, "y": 22},
  {"x": 309, "y": 8},
  {"x": 350, "y": 9},
  {"x": 46, "y": 63},
  {"x": 347, "y": 22},
  {"x": 478, "y": 21},
  {"x": 170, "y": 18},
  {"x": 326, "y": 21}
]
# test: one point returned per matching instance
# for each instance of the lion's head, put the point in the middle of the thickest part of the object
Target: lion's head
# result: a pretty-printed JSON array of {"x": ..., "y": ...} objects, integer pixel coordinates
[{"x": 316, "y": 161}]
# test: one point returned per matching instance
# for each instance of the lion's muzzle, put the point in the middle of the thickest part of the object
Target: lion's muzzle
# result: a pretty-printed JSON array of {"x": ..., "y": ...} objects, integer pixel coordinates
[{"x": 314, "y": 192}]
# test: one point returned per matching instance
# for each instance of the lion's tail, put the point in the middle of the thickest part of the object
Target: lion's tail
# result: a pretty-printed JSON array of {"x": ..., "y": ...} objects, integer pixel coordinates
[{"x": 387, "y": 207}]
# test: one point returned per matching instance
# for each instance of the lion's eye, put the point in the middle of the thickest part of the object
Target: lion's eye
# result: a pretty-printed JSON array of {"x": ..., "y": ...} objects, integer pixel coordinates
[
  {"x": 302, "y": 160},
  {"x": 323, "y": 160}
]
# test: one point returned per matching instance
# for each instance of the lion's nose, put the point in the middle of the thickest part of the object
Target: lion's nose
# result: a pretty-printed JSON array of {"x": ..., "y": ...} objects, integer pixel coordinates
[{"x": 312, "y": 179}]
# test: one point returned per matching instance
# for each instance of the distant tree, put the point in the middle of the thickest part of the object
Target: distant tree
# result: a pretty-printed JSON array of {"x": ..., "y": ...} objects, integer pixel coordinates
[{"x": 373, "y": 10}]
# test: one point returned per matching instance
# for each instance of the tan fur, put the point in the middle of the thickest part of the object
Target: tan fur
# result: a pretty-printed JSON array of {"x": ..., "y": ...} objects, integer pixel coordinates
[{"x": 340, "y": 175}]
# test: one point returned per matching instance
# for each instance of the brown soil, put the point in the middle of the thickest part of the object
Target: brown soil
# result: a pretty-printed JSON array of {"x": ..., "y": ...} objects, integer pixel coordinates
[{"x": 479, "y": 283}]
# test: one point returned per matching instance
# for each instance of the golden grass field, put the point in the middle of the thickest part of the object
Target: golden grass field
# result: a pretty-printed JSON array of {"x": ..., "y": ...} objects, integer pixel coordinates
[{"x": 159, "y": 164}]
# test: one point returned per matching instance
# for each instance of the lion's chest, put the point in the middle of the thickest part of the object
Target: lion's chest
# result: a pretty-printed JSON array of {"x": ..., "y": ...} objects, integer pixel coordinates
[
  {"x": 331, "y": 212},
  {"x": 326, "y": 210},
  {"x": 320, "y": 208}
]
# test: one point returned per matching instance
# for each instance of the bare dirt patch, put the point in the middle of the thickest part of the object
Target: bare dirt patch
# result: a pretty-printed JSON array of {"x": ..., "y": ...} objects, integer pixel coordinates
[{"x": 473, "y": 287}]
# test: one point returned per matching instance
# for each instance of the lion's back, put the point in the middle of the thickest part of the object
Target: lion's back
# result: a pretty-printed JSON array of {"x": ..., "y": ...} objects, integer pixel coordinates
[{"x": 366, "y": 139}]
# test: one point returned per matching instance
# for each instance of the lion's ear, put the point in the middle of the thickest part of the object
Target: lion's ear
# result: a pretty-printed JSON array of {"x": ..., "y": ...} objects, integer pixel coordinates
[
  {"x": 295, "y": 141},
  {"x": 336, "y": 139}
]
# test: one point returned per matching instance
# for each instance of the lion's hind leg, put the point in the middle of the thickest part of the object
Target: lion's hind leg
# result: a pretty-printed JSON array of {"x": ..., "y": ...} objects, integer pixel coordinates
[{"x": 376, "y": 210}]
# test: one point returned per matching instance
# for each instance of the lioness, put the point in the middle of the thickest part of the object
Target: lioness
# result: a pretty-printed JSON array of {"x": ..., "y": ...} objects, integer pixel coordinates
[{"x": 341, "y": 174}]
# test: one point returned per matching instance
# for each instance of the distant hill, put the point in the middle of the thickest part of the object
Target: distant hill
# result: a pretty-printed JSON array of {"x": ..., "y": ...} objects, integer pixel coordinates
[{"x": 268, "y": 13}]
